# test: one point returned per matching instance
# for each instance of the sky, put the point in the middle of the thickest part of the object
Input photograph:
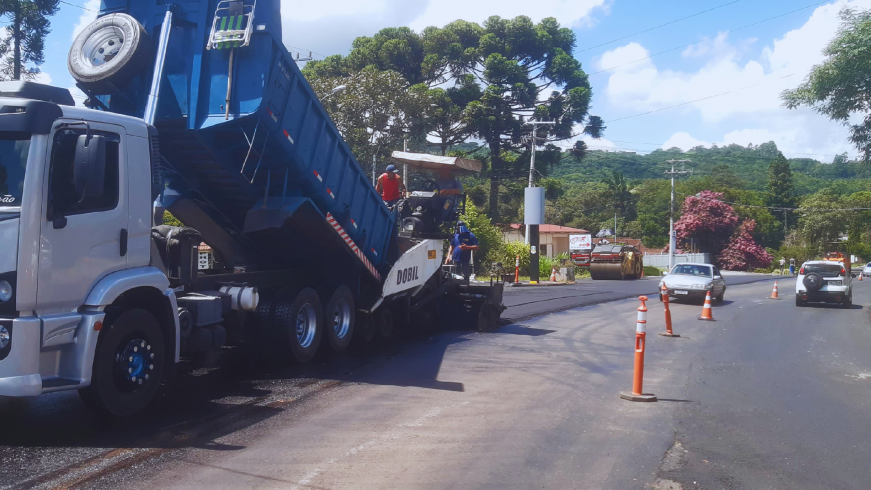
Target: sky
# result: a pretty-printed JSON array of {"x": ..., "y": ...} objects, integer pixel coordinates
[{"x": 712, "y": 78}]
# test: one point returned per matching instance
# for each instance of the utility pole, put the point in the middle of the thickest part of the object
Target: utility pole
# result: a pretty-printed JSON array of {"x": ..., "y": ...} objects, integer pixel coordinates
[
  {"x": 671, "y": 237},
  {"x": 532, "y": 228}
]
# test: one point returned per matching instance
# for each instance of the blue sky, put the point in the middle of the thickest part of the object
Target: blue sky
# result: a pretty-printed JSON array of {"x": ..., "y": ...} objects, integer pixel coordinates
[{"x": 754, "y": 63}]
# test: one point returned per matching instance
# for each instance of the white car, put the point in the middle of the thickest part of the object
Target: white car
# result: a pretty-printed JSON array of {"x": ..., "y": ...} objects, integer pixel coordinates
[
  {"x": 821, "y": 281},
  {"x": 694, "y": 281},
  {"x": 867, "y": 270}
]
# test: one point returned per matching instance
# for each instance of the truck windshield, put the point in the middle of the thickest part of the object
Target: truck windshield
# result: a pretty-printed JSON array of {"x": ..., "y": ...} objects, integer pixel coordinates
[
  {"x": 14, "y": 148},
  {"x": 692, "y": 270}
]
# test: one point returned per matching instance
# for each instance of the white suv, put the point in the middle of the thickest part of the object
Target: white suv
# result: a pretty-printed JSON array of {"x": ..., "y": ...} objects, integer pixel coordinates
[{"x": 824, "y": 282}]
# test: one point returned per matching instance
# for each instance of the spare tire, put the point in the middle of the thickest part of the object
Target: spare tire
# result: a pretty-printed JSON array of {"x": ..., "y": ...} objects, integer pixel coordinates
[
  {"x": 109, "y": 52},
  {"x": 813, "y": 282}
]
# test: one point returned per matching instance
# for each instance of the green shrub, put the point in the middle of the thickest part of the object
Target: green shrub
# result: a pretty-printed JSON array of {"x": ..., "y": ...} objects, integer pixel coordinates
[
  {"x": 507, "y": 254},
  {"x": 652, "y": 271},
  {"x": 489, "y": 237}
]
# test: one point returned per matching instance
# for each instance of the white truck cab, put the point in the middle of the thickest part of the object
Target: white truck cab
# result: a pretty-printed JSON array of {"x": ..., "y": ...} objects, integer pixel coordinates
[{"x": 75, "y": 224}]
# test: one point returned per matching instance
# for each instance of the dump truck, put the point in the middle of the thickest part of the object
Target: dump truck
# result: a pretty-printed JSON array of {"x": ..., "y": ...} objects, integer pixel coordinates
[
  {"x": 198, "y": 109},
  {"x": 616, "y": 262}
]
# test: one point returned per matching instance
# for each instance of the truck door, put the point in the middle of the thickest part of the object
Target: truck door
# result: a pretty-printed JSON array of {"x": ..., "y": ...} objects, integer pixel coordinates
[{"x": 82, "y": 239}]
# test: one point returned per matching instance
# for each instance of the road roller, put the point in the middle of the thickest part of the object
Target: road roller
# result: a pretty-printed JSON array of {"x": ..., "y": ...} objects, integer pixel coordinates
[{"x": 616, "y": 262}]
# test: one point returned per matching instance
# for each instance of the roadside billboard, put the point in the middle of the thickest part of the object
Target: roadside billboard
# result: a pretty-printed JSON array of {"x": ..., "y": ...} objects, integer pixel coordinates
[{"x": 580, "y": 242}]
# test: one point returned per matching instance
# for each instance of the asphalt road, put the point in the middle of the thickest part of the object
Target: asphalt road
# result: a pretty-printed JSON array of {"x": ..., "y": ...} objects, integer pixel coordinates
[
  {"x": 771, "y": 396},
  {"x": 526, "y": 302}
]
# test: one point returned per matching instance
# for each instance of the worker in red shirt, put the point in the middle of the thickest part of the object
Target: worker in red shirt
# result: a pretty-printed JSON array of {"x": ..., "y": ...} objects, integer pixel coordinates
[{"x": 390, "y": 186}]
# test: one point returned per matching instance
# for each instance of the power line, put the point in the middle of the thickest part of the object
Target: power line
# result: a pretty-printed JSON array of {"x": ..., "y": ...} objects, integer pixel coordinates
[
  {"x": 657, "y": 27},
  {"x": 696, "y": 100},
  {"x": 707, "y": 38},
  {"x": 77, "y": 6}
]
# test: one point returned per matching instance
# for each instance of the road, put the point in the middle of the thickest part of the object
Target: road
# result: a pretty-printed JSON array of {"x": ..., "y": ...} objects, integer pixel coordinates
[{"x": 768, "y": 396}]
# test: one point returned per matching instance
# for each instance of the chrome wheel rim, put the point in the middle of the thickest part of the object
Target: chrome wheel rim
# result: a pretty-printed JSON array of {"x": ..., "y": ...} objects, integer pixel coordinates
[
  {"x": 103, "y": 46},
  {"x": 342, "y": 318},
  {"x": 306, "y": 325}
]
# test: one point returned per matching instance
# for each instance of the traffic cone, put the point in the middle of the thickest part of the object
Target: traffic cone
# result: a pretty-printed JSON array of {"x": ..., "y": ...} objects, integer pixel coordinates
[
  {"x": 553, "y": 274},
  {"x": 637, "y": 395},
  {"x": 774, "y": 292},
  {"x": 707, "y": 313},
  {"x": 668, "y": 332},
  {"x": 860, "y": 276}
]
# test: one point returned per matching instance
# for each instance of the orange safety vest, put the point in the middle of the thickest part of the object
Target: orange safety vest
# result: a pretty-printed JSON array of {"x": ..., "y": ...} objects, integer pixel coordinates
[{"x": 390, "y": 187}]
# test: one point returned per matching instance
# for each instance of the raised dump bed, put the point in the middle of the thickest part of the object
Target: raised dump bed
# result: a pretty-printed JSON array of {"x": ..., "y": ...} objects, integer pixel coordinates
[{"x": 261, "y": 156}]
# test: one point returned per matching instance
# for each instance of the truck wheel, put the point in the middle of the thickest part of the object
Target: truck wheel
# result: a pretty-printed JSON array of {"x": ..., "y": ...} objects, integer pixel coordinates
[
  {"x": 128, "y": 365},
  {"x": 385, "y": 326},
  {"x": 339, "y": 318},
  {"x": 110, "y": 51},
  {"x": 298, "y": 324}
]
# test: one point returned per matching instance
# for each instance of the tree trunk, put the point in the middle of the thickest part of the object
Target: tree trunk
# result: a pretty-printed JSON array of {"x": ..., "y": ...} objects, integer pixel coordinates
[
  {"x": 495, "y": 172},
  {"x": 16, "y": 42}
]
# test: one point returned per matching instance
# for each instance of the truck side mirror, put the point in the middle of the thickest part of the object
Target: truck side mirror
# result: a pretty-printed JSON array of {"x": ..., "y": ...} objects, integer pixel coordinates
[{"x": 89, "y": 166}]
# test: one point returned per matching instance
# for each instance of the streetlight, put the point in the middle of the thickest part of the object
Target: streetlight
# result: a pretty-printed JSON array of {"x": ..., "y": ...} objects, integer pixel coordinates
[{"x": 340, "y": 88}]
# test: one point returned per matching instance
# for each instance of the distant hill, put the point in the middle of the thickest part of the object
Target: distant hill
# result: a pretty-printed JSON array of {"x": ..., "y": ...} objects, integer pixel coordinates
[{"x": 749, "y": 164}]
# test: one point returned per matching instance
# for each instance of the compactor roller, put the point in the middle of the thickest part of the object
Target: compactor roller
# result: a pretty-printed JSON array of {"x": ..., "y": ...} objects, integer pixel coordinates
[{"x": 615, "y": 262}]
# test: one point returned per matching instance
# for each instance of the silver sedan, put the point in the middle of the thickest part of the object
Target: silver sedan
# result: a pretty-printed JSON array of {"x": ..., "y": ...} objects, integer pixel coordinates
[{"x": 694, "y": 281}]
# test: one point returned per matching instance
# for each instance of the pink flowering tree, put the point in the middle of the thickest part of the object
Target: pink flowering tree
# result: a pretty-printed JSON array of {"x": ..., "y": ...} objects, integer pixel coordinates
[
  {"x": 743, "y": 253},
  {"x": 708, "y": 221}
]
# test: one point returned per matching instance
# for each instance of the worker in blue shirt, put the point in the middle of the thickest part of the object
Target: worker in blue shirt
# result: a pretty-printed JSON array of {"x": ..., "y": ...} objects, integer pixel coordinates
[{"x": 462, "y": 245}]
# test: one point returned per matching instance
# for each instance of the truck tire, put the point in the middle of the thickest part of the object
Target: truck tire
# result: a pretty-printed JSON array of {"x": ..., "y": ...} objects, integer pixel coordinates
[
  {"x": 299, "y": 324},
  {"x": 340, "y": 318},
  {"x": 128, "y": 365},
  {"x": 110, "y": 51},
  {"x": 385, "y": 325}
]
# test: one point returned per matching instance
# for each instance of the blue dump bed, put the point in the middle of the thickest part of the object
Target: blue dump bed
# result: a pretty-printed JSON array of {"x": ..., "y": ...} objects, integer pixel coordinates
[{"x": 274, "y": 159}]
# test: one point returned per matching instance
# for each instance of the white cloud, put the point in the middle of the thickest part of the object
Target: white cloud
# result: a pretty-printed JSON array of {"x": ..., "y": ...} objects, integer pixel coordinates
[
  {"x": 750, "y": 87},
  {"x": 88, "y": 16},
  {"x": 754, "y": 85},
  {"x": 683, "y": 141},
  {"x": 329, "y": 28}
]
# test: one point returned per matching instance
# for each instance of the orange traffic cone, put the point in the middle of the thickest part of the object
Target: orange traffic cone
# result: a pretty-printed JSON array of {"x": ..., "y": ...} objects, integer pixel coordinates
[
  {"x": 860, "y": 276},
  {"x": 774, "y": 292},
  {"x": 637, "y": 395},
  {"x": 553, "y": 274},
  {"x": 668, "y": 331},
  {"x": 707, "y": 313}
]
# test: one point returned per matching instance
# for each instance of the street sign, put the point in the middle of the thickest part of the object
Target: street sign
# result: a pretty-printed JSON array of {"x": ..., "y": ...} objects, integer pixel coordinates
[{"x": 580, "y": 242}]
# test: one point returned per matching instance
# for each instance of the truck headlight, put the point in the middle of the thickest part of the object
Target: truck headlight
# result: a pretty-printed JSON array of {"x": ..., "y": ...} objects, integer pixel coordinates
[
  {"x": 5, "y": 291},
  {"x": 4, "y": 337}
]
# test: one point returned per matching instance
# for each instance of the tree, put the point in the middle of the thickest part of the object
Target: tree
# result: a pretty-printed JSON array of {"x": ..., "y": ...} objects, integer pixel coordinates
[
  {"x": 25, "y": 36},
  {"x": 654, "y": 197},
  {"x": 780, "y": 188},
  {"x": 707, "y": 221},
  {"x": 620, "y": 196},
  {"x": 375, "y": 112},
  {"x": 743, "y": 253},
  {"x": 821, "y": 222},
  {"x": 839, "y": 86},
  {"x": 503, "y": 73},
  {"x": 520, "y": 64}
]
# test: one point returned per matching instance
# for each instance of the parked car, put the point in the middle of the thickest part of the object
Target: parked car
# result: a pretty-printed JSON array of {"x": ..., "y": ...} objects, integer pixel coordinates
[
  {"x": 691, "y": 280},
  {"x": 821, "y": 281},
  {"x": 867, "y": 270}
]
